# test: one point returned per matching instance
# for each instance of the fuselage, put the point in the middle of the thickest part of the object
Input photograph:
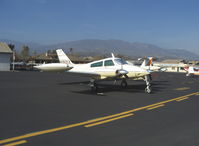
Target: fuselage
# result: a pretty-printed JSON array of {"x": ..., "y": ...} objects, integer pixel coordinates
[
  {"x": 57, "y": 67},
  {"x": 107, "y": 68}
]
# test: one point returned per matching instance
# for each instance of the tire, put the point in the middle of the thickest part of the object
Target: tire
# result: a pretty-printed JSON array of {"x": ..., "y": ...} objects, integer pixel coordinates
[
  {"x": 123, "y": 84},
  {"x": 94, "y": 88},
  {"x": 148, "y": 90}
]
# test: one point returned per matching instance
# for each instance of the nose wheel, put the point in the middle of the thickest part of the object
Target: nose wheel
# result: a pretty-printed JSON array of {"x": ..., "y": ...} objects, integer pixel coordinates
[{"x": 148, "y": 88}]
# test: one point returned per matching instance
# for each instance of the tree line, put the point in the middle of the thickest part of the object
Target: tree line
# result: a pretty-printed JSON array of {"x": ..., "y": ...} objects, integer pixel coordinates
[{"x": 24, "y": 54}]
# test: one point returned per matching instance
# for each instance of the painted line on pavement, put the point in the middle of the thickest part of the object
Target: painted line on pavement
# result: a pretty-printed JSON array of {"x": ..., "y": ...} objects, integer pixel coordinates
[
  {"x": 110, "y": 120},
  {"x": 182, "y": 89},
  {"x": 91, "y": 121},
  {"x": 154, "y": 107},
  {"x": 182, "y": 99},
  {"x": 16, "y": 143}
]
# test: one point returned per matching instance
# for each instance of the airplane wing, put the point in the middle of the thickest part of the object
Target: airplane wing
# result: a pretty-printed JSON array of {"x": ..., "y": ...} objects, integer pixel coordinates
[{"x": 86, "y": 74}]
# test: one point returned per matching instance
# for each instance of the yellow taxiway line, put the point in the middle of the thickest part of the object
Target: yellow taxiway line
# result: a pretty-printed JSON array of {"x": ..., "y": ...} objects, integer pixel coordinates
[
  {"x": 16, "y": 143},
  {"x": 182, "y": 89},
  {"x": 154, "y": 107},
  {"x": 109, "y": 120},
  {"x": 94, "y": 120},
  {"x": 182, "y": 99}
]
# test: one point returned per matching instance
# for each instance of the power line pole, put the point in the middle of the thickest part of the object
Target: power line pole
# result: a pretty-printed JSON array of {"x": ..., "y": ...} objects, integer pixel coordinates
[{"x": 13, "y": 60}]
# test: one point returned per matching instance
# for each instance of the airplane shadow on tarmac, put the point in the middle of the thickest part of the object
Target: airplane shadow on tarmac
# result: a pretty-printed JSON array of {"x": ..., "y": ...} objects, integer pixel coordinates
[{"x": 139, "y": 87}]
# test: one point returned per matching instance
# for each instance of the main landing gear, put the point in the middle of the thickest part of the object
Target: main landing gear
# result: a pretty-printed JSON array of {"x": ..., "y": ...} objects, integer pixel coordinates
[
  {"x": 147, "y": 79},
  {"x": 123, "y": 83},
  {"x": 148, "y": 88},
  {"x": 93, "y": 85}
]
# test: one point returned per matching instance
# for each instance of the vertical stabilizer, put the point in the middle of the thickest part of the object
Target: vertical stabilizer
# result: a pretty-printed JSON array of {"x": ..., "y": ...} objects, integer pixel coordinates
[
  {"x": 143, "y": 64},
  {"x": 150, "y": 61},
  {"x": 63, "y": 58}
]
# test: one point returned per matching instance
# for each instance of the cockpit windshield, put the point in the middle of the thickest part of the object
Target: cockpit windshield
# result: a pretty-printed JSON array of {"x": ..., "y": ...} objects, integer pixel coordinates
[{"x": 120, "y": 61}]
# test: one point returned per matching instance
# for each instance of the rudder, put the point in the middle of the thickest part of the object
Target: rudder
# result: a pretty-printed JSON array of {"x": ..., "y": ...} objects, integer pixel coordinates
[{"x": 63, "y": 58}]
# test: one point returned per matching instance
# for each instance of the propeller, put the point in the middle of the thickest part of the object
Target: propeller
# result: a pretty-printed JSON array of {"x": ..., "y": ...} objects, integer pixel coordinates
[{"x": 122, "y": 72}]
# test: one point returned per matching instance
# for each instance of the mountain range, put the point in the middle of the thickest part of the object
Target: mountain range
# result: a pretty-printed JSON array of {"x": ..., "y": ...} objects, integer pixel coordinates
[{"x": 89, "y": 47}]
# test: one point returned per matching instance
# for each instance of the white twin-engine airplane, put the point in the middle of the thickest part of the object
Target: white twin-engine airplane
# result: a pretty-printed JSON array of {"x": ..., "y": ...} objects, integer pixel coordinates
[{"x": 106, "y": 69}]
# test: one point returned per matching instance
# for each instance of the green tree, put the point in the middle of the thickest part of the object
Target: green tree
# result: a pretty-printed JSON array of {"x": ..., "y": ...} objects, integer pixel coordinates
[
  {"x": 11, "y": 46},
  {"x": 25, "y": 52},
  {"x": 34, "y": 53},
  {"x": 54, "y": 52},
  {"x": 49, "y": 52},
  {"x": 71, "y": 50}
]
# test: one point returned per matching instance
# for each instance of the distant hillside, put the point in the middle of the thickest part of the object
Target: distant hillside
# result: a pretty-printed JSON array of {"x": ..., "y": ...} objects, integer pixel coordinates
[{"x": 96, "y": 47}]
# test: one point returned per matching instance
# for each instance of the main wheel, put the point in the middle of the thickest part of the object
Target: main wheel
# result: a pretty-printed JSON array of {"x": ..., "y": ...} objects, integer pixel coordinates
[
  {"x": 123, "y": 84},
  {"x": 94, "y": 87}
]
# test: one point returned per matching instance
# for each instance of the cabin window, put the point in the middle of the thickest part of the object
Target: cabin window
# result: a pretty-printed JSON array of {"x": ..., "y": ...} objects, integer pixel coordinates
[
  {"x": 97, "y": 64},
  {"x": 120, "y": 61},
  {"x": 182, "y": 68},
  {"x": 108, "y": 63},
  {"x": 173, "y": 68}
]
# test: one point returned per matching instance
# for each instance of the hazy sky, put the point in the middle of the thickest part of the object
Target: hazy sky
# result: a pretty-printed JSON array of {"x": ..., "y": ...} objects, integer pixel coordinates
[{"x": 166, "y": 23}]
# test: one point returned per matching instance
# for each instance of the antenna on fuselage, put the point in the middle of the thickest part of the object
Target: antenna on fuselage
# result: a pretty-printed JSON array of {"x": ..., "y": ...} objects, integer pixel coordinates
[{"x": 113, "y": 56}]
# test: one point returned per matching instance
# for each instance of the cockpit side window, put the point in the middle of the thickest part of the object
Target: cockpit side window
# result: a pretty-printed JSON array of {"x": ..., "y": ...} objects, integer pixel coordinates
[
  {"x": 108, "y": 63},
  {"x": 97, "y": 64},
  {"x": 120, "y": 61}
]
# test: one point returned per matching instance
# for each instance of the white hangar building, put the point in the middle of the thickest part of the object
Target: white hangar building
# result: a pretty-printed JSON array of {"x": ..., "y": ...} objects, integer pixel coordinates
[{"x": 5, "y": 53}]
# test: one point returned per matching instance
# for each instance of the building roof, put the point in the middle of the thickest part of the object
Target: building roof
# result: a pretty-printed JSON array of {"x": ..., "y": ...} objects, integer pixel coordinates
[
  {"x": 4, "y": 48},
  {"x": 172, "y": 61}
]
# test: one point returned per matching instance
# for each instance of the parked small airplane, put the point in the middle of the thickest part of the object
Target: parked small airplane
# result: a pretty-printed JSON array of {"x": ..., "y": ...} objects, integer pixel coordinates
[
  {"x": 107, "y": 69},
  {"x": 192, "y": 71}
]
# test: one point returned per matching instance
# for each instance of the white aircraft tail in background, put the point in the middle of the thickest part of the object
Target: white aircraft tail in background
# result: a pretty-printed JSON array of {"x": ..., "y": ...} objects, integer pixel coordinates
[
  {"x": 63, "y": 58},
  {"x": 192, "y": 71},
  {"x": 148, "y": 65},
  {"x": 147, "y": 62},
  {"x": 64, "y": 65}
]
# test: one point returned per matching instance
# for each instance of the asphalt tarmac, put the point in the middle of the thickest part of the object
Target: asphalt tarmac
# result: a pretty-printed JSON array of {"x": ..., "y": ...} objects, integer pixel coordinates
[{"x": 58, "y": 109}]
